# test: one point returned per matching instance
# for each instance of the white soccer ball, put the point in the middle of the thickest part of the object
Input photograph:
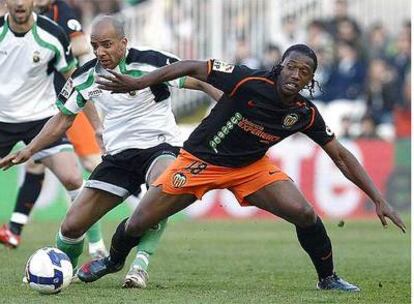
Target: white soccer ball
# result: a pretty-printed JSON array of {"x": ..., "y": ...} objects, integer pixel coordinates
[{"x": 49, "y": 270}]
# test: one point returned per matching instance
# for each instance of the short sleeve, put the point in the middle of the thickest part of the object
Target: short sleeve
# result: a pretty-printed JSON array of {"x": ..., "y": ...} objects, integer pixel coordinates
[
  {"x": 70, "y": 101},
  {"x": 64, "y": 59},
  {"x": 68, "y": 20},
  {"x": 225, "y": 76},
  {"x": 317, "y": 130}
]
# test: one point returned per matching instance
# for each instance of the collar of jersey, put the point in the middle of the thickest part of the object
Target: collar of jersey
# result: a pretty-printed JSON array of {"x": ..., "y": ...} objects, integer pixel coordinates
[{"x": 7, "y": 27}]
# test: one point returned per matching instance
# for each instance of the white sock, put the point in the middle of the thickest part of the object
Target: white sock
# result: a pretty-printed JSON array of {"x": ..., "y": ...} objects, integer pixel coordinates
[{"x": 99, "y": 245}]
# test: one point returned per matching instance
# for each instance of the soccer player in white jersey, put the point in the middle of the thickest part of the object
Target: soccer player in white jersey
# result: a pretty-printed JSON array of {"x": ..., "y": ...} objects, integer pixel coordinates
[
  {"x": 31, "y": 48},
  {"x": 81, "y": 136},
  {"x": 139, "y": 132}
]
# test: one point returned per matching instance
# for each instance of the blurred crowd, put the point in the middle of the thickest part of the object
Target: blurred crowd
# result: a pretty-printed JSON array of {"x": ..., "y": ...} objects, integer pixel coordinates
[{"x": 363, "y": 73}]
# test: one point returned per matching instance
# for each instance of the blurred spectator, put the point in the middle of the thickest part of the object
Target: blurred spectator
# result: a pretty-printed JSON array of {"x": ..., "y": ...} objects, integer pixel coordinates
[
  {"x": 402, "y": 112},
  {"x": 341, "y": 14},
  {"x": 377, "y": 41},
  {"x": 271, "y": 56},
  {"x": 368, "y": 128},
  {"x": 348, "y": 75},
  {"x": 289, "y": 34},
  {"x": 316, "y": 35},
  {"x": 243, "y": 55},
  {"x": 401, "y": 56},
  {"x": 346, "y": 126},
  {"x": 381, "y": 91}
]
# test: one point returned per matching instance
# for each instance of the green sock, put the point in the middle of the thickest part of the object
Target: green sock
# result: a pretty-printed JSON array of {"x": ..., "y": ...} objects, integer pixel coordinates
[
  {"x": 148, "y": 244},
  {"x": 72, "y": 247},
  {"x": 94, "y": 233}
]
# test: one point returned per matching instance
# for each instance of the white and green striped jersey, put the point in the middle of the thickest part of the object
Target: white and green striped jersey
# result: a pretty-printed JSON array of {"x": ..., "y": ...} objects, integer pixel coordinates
[
  {"x": 140, "y": 119},
  {"x": 27, "y": 61}
]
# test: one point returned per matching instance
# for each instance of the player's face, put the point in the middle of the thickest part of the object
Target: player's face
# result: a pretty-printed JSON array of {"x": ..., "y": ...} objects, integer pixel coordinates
[
  {"x": 42, "y": 6},
  {"x": 296, "y": 73},
  {"x": 20, "y": 10},
  {"x": 107, "y": 46}
]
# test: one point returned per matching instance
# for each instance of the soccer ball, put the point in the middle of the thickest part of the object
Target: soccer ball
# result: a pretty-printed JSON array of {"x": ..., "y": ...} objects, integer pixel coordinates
[{"x": 48, "y": 270}]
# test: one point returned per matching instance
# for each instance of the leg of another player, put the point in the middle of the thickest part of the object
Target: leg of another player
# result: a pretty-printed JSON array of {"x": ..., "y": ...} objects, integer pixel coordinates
[
  {"x": 28, "y": 193},
  {"x": 283, "y": 199},
  {"x": 153, "y": 208},
  {"x": 88, "y": 208},
  {"x": 95, "y": 240},
  {"x": 137, "y": 275}
]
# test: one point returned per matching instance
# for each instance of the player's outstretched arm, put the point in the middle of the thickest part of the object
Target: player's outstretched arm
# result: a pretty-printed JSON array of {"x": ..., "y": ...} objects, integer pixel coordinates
[
  {"x": 51, "y": 131},
  {"x": 118, "y": 83},
  {"x": 353, "y": 170}
]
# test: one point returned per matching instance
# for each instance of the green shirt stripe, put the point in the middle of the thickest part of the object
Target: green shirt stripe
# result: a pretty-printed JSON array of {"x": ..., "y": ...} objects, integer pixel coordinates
[
  {"x": 45, "y": 44},
  {"x": 62, "y": 108},
  {"x": 69, "y": 67},
  {"x": 4, "y": 31},
  {"x": 89, "y": 81}
]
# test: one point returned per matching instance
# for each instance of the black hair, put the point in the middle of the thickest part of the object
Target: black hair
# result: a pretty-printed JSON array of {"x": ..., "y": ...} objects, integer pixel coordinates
[{"x": 305, "y": 50}]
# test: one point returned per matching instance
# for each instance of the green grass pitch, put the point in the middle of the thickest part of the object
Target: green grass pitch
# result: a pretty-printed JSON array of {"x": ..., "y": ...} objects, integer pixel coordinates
[{"x": 249, "y": 261}]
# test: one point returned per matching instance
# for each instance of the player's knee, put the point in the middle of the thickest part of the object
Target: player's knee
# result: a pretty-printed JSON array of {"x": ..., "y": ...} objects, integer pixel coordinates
[
  {"x": 308, "y": 216},
  {"x": 71, "y": 181},
  {"x": 70, "y": 229}
]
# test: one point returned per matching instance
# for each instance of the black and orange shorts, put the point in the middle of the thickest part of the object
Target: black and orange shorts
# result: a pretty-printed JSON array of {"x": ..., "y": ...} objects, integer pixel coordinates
[{"x": 191, "y": 175}]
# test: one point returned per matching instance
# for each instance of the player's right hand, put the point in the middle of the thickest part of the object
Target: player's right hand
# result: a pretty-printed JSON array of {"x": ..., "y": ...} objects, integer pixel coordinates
[
  {"x": 384, "y": 210},
  {"x": 14, "y": 159}
]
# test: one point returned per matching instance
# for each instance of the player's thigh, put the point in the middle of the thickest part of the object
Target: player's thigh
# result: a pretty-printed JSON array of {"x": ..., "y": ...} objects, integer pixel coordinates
[
  {"x": 158, "y": 166},
  {"x": 66, "y": 168},
  {"x": 90, "y": 161},
  {"x": 154, "y": 207},
  {"x": 284, "y": 199},
  {"x": 89, "y": 206},
  {"x": 35, "y": 168}
]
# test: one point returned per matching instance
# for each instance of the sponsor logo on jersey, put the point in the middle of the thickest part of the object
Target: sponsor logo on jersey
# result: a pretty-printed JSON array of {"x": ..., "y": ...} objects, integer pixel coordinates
[
  {"x": 132, "y": 93},
  {"x": 94, "y": 93},
  {"x": 179, "y": 179},
  {"x": 36, "y": 56},
  {"x": 222, "y": 133},
  {"x": 3, "y": 53},
  {"x": 74, "y": 25},
  {"x": 290, "y": 120},
  {"x": 223, "y": 67},
  {"x": 66, "y": 91}
]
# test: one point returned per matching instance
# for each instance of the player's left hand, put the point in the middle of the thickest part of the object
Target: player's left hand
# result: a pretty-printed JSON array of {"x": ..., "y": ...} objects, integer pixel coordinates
[
  {"x": 117, "y": 83},
  {"x": 14, "y": 159},
  {"x": 384, "y": 210}
]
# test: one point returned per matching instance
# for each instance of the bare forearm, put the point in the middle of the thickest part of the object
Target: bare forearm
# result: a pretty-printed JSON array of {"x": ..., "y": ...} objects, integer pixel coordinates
[
  {"x": 194, "y": 84},
  {"x": 353, "y": 170},
  {"x": 51, "y": 131},
  {"x": 193, "y": 68},
  {"x": 93, "y": 116}
]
